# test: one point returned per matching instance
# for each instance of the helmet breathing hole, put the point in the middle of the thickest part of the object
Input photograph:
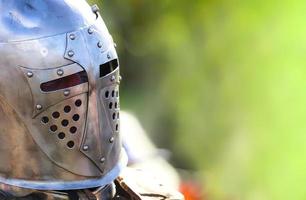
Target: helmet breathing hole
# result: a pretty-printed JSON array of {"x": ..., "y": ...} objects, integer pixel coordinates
[
  {"x": 53, "y": 128},
  {"x": 67, "y": 109},
  {"x": 65, "y": 122},
  {"x": 117, "y": 93},
  {"x": 113, "y": 93},
  {"x": 106, "y": 94},
  {"x": 117, "y": 127},
  {"x": 78, "y": 103},
  {"x": 110, "y": 105},
  {"x": 44, "y": 120},
  {"x": 70, "y": 144},
  {"x": 73, "y": 129},
  {"x": 114, "y": 116},
  {"x": 56, "y": 115},
  {"x": 76, "y": 117},
  {"x": 116, "y": 105},
  {"x": 117, "y": 115},
  {"x": 61, "y": 135}
]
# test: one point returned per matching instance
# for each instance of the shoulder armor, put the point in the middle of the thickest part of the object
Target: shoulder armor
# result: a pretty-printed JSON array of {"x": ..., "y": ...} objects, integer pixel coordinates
[{"x": 136, "y": 184}]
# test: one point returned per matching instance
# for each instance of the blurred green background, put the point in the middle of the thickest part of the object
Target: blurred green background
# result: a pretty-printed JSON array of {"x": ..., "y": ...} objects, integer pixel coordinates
[{"x": 222, "y": 85}]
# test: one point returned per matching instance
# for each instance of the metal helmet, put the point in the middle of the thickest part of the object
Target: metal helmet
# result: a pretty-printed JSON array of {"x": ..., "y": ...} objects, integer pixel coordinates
[{"x": 59, "y": 96}]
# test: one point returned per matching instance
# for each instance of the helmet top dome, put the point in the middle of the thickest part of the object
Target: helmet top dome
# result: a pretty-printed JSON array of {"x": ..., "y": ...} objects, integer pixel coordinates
[{"x": 32, "y": 19}]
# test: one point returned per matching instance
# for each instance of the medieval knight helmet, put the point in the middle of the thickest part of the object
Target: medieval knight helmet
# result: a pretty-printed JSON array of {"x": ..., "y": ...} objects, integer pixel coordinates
[{"x": 59, "y": 96}]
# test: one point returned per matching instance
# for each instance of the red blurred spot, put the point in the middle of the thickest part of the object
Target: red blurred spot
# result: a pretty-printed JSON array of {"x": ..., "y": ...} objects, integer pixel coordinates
[{"x": 191, "y": 190}]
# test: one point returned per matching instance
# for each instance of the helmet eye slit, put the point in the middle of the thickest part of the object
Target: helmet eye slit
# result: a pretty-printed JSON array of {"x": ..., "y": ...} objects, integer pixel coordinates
[
  {"x": 64, "y": 82},
  {"x": 108, "y": 67}
]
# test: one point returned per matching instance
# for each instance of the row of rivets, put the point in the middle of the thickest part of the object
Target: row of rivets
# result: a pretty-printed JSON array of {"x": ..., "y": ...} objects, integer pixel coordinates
[
  {"x": 70, "y": 52},
  {"x": 90, "y": 31},
  {"x": 60, "y": 72},
  {"x": 99, "y": 44},
  {"x": 86, "y": 147}
]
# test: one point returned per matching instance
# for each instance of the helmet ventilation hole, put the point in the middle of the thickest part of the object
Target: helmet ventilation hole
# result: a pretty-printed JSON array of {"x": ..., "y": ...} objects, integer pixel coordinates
[
  {"x": 67, "y": 109},
  {"x": 106, "y": 94},
  {"x": 73, "y": 129},
  {"x": 70, "y": 144},
  {"x": 61, "y": 135},
  {"x": 56, "y": 115},
  {"x": 78, "y": 103},
  {"x": 65, "y": 122},
  {"x": 113, "y": 93},
  {"x": 110, "y": 105},
  {"x": 45, "y": 120},
  {"x": 53, "y": 128},
  {"x": 76, "y": 117}
]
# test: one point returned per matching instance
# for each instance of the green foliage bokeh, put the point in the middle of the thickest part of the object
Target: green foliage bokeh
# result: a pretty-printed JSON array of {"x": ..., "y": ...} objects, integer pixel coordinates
[{"x": 222, "y": 84}]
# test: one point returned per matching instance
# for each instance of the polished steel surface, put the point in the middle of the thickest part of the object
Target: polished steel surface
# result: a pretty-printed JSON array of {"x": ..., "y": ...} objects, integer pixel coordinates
[{"x": 67, "y": 137}]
